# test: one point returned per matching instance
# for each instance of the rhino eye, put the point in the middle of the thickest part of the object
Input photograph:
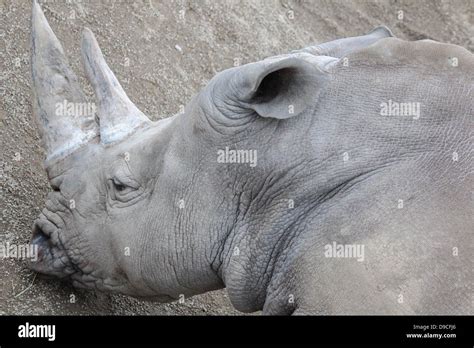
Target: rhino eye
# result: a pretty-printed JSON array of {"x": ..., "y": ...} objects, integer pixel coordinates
[
  {"x": 119, "y": 187},
  {"x": 120, "y": 191}
]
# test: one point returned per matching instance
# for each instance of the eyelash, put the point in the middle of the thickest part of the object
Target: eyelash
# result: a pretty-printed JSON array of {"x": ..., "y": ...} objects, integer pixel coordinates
[
  {"x": 123, "y": 194},
  {"x": 120, "y": 190},
  {"x": 119, "y": 187}
]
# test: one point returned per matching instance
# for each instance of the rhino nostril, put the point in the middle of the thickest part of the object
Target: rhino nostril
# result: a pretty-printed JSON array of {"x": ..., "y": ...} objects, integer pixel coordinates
[{"x": 39, "y": 236}]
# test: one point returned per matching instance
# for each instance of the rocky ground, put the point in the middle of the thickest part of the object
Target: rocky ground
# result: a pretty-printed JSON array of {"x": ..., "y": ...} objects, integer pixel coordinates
[{"x": 163, "y": 52}]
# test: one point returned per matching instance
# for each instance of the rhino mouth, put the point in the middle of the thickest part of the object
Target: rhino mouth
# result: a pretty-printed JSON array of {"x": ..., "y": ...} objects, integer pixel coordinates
[
  {"x": 55, "y": 260},
  {"x": 52, "y": 259}
]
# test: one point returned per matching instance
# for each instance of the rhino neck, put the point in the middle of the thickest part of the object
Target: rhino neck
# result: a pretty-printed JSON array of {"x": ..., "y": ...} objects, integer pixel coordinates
[
  {"x": 274, "y": 220},
  {"x": 300, "y": 179}
]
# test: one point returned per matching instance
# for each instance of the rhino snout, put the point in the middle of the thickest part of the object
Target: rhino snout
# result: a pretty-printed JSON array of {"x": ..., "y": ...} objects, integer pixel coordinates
[{"x": 50, "y": 258}]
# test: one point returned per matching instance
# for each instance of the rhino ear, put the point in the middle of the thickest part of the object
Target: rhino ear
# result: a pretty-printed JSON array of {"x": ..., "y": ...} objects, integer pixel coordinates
[
  {"x": 280, "y": 87},
  {"x": 342, "y": 47}
]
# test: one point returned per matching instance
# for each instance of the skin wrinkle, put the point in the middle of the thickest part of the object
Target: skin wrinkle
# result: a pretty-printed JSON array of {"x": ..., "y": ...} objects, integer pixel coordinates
[
  {"x": 59, "y": 239},
  {"x": 72, "y": 264},
  {"x": 180, "y": 227},
  {"x": 252, "y": 200},
  {"x": 290, "y": 233},
  {"x": 225, "y": 105},
  {"x": 223, "y": 242},
  {"x": 216, "y": 250},
  {"x": 51, "y": 217},
  {"x": 283, "y": 186},
  {"x": 149, "y": 223},
  {"x": 197, "y": 172},
  {"x": 215, "y": 125},
  {"x": 237, "y": 217}
]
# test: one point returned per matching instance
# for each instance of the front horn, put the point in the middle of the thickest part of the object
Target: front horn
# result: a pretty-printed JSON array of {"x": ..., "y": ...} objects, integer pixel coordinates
[{"x": 60, "y": 108}]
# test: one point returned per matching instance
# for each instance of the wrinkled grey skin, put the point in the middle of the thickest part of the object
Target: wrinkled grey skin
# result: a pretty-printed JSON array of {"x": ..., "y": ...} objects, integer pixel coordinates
[{"x": 333, "y": 170}]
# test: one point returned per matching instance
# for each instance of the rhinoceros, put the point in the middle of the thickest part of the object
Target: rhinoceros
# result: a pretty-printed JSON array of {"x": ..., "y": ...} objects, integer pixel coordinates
[{"x": 335, "y": 179}]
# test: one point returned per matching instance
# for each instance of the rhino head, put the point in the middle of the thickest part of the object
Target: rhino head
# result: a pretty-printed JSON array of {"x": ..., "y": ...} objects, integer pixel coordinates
[
  {"x": 161, "y": 209},
  {"x": 142, "y": 207}
]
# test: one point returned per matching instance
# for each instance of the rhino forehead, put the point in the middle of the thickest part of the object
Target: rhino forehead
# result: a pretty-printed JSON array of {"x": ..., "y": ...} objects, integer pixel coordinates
[{"x": 427, "y": 53}]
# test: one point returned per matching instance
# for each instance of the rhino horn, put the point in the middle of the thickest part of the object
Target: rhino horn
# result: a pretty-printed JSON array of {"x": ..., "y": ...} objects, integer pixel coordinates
[
  {"x": 118, "y": 116},
  {"x": 55, "y": 86}
]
